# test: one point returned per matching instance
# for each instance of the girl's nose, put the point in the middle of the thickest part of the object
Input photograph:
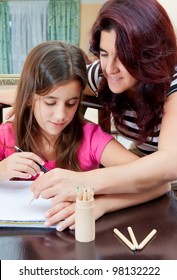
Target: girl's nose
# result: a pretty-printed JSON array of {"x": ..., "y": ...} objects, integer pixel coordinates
[{"x": 60, "y": 114}]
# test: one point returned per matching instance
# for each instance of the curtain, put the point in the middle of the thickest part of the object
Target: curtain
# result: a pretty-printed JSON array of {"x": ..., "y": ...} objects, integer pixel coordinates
[
  {"x": 24, "y": 24},
  {"x": 64, "y": 20},
  {"x": 29, "y": 28},
  {"x": 5, "y": 50}
]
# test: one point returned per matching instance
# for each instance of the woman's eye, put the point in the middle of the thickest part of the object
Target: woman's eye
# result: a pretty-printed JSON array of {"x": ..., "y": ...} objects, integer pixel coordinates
[{"x": 103, "y": 54}]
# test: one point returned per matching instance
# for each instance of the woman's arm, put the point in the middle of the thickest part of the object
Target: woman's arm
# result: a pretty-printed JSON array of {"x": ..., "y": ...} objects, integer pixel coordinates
[
  {"x": 63, "y": 212},
  {"x": 137, "y": 176},
  {"x": 110, "y": 203},
  {"x": 64, "y": 182},
  {"x": 150, "y": 171}
]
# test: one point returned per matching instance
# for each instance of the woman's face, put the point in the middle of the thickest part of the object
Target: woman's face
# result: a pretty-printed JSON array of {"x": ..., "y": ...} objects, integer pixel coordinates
[
  {"x": 54, "y": 111},
  {"x": 118, "y": 78}
]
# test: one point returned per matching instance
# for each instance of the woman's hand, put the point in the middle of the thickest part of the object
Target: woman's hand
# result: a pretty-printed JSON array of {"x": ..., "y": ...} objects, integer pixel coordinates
[
  {"x": 63, "y": 213},
  {"x": 57, "y": 182},
  {"x": 20, "y": 165}
]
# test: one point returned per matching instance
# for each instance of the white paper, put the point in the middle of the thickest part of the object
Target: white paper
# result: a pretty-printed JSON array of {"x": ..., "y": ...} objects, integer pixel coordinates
[{"x": 14, "y": 203}]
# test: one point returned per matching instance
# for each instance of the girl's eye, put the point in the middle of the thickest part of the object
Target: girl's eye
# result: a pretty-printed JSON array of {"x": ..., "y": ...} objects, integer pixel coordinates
[
  {"x": 50, "y": 103},
  {"x": 70, "y": 104}
]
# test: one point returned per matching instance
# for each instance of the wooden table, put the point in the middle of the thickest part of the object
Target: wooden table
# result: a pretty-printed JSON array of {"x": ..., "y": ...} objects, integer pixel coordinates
[{"x": 161, "y": 214}]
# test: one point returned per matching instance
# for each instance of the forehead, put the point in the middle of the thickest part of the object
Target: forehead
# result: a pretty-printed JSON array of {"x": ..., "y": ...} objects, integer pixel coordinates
[
  {"x": 67, "y": 90},
  {"x": 108, "y": 40}
]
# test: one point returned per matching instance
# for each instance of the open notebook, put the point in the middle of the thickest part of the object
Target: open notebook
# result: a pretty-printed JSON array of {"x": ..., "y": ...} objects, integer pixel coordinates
[{"x": 15, "y": 209}]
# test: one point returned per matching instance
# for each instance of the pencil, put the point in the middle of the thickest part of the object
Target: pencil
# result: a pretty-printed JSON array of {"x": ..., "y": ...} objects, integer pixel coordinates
[
  {"x": 147, "y": 239},
  {"x": 85, "y": 195},
  {"x": 31, "y": 200},
  {"x": 43, "y": 168},
  {"x": 124, "y": 239},
  {"x": 79, "y": 194},
  {"x": 133, "y": 238}
]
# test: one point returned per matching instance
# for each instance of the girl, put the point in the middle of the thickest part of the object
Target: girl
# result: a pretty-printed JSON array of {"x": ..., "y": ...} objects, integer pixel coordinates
[{"x": 48, "y": 125}]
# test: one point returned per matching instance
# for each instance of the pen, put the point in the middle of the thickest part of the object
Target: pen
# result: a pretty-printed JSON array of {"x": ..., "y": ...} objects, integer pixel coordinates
[{"x": 43, "y": 168}]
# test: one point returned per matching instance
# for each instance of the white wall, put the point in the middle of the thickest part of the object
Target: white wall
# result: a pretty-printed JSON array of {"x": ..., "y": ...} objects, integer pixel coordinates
[
  {"x": 171, "y": 8},
  {"x": 92, "y": 1},
  {"x": 169, "y": 5}
]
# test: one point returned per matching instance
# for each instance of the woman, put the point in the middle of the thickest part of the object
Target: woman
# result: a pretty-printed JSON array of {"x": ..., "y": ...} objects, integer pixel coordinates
[{"x": 136, "y": 46}]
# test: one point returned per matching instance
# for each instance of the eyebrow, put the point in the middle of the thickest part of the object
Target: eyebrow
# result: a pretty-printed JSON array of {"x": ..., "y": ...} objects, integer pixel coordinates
[
  {"x": 102, "y": 50},
  {"x": 54, "y": 97}
]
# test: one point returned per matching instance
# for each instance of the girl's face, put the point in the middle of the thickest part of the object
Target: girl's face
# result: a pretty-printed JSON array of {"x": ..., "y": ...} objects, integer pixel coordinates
[
  {"x": 54, "y": 111},
  {"x": 119, "y": 79}
]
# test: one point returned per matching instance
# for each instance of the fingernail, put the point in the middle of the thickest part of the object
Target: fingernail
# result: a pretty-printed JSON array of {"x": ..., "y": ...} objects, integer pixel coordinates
[
  {"x": 46, "y": 224},
  {"x": 72, "y": 227},
  {"x": 47, "y": 215},
  {"x": 59, "y": 228},
  {"x": 36, "y": 196}
]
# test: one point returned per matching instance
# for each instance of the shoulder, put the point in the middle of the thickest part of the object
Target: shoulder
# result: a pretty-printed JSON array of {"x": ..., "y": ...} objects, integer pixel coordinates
[
  {"x": 92, "y": 146},
  {"x": 173, "y": 86},
  {"x": 94, "y": 66},
  {"x": 7, "y": 127},
  {"x": 92, "y": 130},
  {"x": 7, "y": 131},
  {"x": 7, "y": 139},
  {"x": 94, "y": 75}
]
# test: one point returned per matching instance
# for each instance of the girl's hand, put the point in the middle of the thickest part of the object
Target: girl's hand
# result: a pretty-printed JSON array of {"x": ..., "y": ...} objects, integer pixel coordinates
[{"x": 20, "y": 165}]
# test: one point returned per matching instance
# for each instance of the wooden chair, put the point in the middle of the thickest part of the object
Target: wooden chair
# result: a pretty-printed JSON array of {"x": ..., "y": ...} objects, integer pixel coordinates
[
  {"x": 103, "y": 116},
  {"x": 2, "y": 106},
  {"x": 7, "y": 84}
]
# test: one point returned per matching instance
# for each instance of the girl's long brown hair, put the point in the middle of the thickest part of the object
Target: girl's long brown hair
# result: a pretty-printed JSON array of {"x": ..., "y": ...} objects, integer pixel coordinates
[
  {"x": 48, "y": 65},
  {"x": 146, "y": 46}
]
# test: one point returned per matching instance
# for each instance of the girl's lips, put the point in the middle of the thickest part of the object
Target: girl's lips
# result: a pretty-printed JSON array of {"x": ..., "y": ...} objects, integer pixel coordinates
[{"x": 57, "y": 124}]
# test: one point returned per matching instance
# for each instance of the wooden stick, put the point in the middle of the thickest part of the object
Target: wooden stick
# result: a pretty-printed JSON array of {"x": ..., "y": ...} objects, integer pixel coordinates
[
  {"x": 147, "y": 239},
  {"x": 124, "y": 239},
  {"x": 133, "y": 238}
]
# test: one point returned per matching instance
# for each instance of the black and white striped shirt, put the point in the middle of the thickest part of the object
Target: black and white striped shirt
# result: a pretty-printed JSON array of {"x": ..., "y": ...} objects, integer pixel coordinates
[{"x": 131, "y": 130}]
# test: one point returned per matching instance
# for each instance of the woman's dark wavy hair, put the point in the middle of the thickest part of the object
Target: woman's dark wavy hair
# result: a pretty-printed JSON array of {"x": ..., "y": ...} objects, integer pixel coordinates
[
  {"x": 49, "y": 65},
  {"x": 146, "y": 46}
]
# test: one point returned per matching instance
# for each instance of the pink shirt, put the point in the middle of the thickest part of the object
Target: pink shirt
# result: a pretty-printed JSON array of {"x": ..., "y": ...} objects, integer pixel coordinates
[{"x": 89, "y": 153}]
